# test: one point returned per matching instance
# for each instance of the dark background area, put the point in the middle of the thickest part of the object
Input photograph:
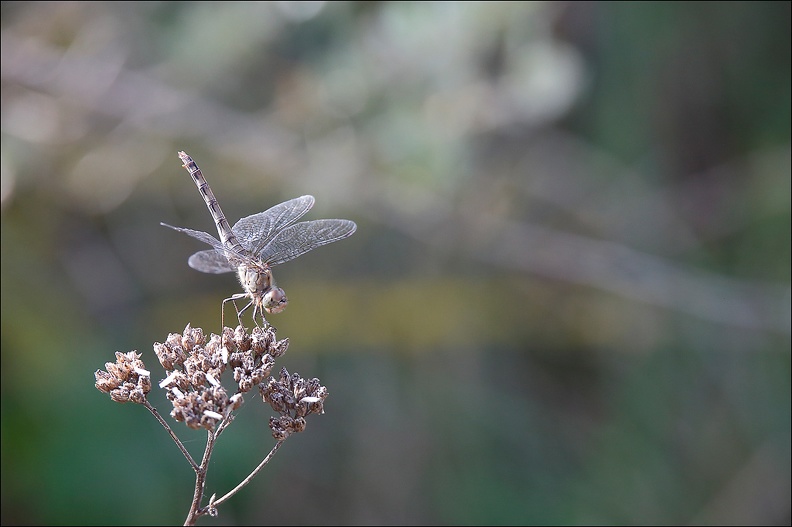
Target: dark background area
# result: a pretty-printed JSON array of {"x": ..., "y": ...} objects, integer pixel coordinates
[{"x": 567, "y": 301}]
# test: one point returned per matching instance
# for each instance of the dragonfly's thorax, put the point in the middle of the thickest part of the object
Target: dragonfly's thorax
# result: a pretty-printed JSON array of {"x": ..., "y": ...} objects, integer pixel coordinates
[{"x": 255, "y": 280}]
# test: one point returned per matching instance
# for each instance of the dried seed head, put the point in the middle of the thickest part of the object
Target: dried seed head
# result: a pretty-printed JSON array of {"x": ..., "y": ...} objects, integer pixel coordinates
[
  {"x": 252, "y": 360},
  {"x": 192, "y": 336},
  {"x": 280, "y": 347},
  {"x": 197, "y": 366},
  {"x": 236, "y": 401},
  {"x": 194, "y": 367},
  {"x": 171, "y": 354},
  {"x": 262, "y": 339},
  {"x": 242, "y": 339},
  {"x": 126, "y": 379},
  {"x": 202, "y": 408},
  {"x": 294, "y": 398}
]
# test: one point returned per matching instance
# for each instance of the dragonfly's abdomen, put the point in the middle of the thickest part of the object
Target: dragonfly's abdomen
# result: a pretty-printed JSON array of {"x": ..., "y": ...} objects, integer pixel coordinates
[{"x": 227, "y": 236}]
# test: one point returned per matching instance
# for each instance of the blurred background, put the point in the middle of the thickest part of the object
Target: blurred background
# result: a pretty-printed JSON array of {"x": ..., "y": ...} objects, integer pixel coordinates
[{"x": 567, "y": 301}]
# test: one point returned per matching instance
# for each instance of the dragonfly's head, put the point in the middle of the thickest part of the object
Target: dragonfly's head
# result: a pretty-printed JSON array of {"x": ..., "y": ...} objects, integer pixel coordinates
[{"x": 275, "y": 300}]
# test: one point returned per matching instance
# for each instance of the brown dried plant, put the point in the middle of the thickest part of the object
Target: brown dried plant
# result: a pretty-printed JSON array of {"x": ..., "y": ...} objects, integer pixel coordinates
[{"x": 194, "y": 370}]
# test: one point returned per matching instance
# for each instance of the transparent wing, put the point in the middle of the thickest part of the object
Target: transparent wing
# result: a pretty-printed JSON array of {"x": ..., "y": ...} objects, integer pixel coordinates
[
  {"x": 210, "y": 261},
  {"x": 257, "y": 230},
  {"x": 198, "y": 235},
  {"x": 298, "y": 239}
]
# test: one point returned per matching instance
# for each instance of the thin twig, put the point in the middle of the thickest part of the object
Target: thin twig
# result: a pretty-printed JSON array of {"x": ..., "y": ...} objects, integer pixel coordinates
[
  {"x": 248, "y": 479},
  {"x": 170, "y": 431}
]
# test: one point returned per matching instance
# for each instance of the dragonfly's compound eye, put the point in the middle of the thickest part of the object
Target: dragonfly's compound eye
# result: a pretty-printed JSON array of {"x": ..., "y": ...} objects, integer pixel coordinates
[{"x": 275, "y": 300}]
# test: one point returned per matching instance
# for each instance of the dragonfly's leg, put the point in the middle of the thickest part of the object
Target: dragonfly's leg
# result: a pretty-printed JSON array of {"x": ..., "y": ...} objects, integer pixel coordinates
[
  {"x": 260, "y": 311},
  {"x": 239, "y": 313},
  {"x": 233, "y": 300}
]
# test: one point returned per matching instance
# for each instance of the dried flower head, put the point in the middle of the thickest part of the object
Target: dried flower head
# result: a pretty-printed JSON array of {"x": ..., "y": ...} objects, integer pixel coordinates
[
  {"x": 294, "y": 398},
  {"x": 126, "y": 379},
  {"x": 203, "y": 407},
  {"x": 255, "y": 357},
  {"x": 195, "y": 367}
]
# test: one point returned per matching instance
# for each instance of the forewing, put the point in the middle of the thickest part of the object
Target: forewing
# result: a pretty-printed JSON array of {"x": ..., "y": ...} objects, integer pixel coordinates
[
  {"x": 298, "y": 239},
  {"x": 257, "y": 230},
  {"x": 210, "y": 261},
  {"x": 198, "y": 235}
]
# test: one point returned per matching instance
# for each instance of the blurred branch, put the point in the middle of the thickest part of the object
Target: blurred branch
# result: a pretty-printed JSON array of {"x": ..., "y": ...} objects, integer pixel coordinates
[{"x": 602, "y": 264}]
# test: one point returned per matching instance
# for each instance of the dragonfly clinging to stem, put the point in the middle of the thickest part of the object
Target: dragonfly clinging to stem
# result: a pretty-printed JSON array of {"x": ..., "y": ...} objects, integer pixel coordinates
[{"x": 258, "y": 242}]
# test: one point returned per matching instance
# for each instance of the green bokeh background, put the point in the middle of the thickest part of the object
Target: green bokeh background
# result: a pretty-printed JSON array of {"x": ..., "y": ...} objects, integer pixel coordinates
[{"x": 567, "y": 302}]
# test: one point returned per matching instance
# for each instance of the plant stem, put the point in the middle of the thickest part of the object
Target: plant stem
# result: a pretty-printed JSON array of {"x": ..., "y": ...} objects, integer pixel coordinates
[
  {"x": 200, "y": 482},
  {"x": 248, "y": 479},
  {"x": 170, "y": 431}
]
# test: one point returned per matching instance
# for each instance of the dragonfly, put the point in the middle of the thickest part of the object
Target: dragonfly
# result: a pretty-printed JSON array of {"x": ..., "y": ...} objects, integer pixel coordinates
[{"x": 257, "y": 243}]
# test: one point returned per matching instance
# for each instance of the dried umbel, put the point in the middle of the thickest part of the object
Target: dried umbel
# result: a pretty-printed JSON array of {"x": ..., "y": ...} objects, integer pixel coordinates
[
  {"x": 196, "y": 366},
  {"x": 294, "y": 398},
  {"x": 126, "y": 379}
]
